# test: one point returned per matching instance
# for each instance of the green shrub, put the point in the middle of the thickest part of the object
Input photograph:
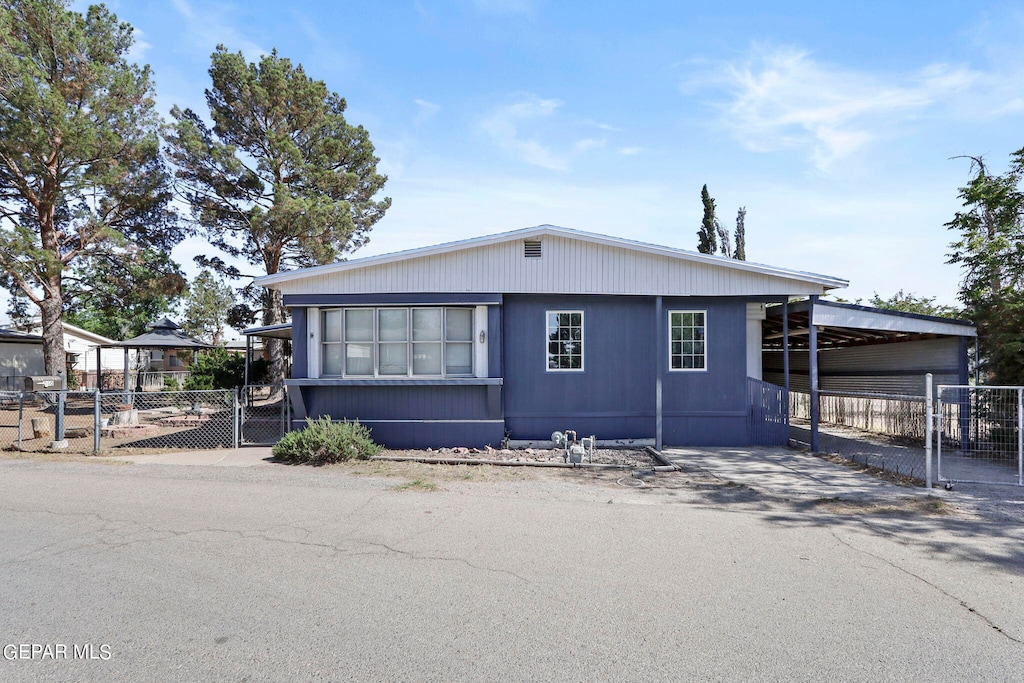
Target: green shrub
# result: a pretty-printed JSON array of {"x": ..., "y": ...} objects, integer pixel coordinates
[
  {"x": 216, "y": 369},
  {"x": 323, "y": 442}
]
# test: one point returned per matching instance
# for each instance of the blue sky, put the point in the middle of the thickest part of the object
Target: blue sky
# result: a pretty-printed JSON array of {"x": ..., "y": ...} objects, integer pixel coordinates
[{"x": 834, "y": 124}]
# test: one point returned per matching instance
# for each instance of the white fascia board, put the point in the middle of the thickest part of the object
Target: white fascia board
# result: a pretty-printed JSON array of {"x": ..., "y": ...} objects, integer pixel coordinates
[
  {"x": 825, "y": 281},
  {"x": 828, "y": 316}
]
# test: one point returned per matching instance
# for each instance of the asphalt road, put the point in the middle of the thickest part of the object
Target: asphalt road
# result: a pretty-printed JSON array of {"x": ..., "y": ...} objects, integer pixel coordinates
[{"x": 172, "y": 573}]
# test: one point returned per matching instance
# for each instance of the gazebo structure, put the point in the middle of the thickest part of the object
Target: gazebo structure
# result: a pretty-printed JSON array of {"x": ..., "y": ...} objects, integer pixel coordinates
[{"x": 164, "y": 334}]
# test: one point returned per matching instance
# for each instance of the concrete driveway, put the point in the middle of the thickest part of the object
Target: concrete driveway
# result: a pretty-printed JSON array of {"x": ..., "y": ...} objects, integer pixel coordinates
[{"x": 785, "y": 472}]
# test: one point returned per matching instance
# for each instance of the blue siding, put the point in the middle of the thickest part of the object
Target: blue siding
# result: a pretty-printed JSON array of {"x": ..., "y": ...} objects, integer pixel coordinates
[
  {"x": 415, "y": 416},
  {"x": 710, "y": 408},
  {"x": 612, "y": 398}
]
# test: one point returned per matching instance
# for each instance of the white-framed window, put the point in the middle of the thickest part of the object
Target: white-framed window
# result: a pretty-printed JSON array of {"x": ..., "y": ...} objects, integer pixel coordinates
[
  {"x": 397, "y": 342},
  {"x": 564, "y": 341},
  {"x": 687, "y": 340}
]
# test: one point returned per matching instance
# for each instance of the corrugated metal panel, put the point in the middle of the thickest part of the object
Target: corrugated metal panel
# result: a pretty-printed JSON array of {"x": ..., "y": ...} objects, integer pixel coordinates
[
  {"x": 568, "y": 266},
  {"x": 896, "y": 368}
]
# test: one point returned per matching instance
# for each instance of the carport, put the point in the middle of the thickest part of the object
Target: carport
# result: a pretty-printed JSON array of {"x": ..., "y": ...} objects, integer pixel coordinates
[{"x": 814, "y": 345}]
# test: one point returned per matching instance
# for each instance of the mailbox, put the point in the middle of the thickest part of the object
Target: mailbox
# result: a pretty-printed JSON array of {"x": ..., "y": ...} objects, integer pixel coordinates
[{"x": 44, "y": 383}]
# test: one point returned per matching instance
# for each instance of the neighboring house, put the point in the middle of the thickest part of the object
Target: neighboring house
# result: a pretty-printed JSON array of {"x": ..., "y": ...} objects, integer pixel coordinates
[
  {"x": 528, "y": 332},
  {"x": 79, "y": 345},
  {"x": 21, "y": 355}
]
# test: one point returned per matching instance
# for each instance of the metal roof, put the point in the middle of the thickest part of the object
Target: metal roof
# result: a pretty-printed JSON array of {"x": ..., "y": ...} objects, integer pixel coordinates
[
  {"x": 163, "y": 334},
  {"x": 279, "y": 331},
  {"x": 16, "y": 337},
  {"x": 826, "y": 281},
  {"x": 854, "y": 325}
]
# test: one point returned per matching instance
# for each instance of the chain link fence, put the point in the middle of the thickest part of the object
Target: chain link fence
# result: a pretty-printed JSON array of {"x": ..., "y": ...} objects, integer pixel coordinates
[
  {"x": 93, "y": 422},
  {"x": 980, "y": 435},
  {"x": 265, "y": 413},
  {"x": 881, "y": 430}
]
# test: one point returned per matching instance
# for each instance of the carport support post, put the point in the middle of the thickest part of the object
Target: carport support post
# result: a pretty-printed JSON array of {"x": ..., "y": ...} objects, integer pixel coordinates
[
  {"x": 785, "y": 345},
  {"x": 812, "y": 355},
  {"x": 248, "y": 354},
  {"x": 99, "y": 368},
  {"x": 928, "y": 427},
  {"x": 659, "y": 326}
]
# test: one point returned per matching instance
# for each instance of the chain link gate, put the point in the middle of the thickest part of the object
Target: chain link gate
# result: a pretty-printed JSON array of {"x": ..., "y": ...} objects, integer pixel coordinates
[
  {"x": 980, "y": 435},
  {"x": 266, "y": 413},
  {"x": 170, "y": 419}
]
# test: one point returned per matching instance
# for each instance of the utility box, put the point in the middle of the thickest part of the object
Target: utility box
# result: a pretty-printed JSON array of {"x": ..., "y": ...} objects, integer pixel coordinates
[{"x": 43, "y": 383}]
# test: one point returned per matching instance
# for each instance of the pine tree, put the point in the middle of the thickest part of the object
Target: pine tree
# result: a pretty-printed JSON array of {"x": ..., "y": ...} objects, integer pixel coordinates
[
  {"x": 282, "y": 180},
  {"x": 82, "y": 185}
]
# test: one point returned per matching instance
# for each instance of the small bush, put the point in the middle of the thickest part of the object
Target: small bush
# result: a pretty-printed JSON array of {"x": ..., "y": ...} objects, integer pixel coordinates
[{"x": 323, "y": 442}]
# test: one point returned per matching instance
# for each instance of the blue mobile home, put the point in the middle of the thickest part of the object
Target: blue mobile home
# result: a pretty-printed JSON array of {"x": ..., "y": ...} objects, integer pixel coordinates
[{"x": 528, "y": 332}]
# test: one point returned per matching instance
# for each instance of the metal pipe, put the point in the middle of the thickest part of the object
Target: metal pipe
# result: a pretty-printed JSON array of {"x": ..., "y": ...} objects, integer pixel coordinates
[
  {"x": 928, "y": 431},
  {"x": 812, "y": 354},
  {"x": 97, "y": 420},
  {"x": 21, "y": 415},
  {"x": 1020, "y": 436}
]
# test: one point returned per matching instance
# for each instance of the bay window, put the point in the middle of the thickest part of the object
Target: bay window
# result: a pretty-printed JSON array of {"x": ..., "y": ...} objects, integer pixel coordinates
[{"x": 397, "y": 342}]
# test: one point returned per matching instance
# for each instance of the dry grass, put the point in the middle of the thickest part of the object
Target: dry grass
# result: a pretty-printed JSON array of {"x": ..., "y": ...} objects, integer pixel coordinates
[
  {"x": 906, "y": 507},
  {"x": 877, "y": 472},
  {"x": 416, "y": 485},
  {"x": 56, "y": 456}
]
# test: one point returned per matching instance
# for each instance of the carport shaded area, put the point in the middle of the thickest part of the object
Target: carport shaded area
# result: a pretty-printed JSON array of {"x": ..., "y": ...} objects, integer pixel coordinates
[{"x": 815, "y": 346}]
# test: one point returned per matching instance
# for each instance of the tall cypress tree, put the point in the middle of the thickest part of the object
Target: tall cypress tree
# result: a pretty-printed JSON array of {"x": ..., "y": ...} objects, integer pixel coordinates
[
  {"x": 707, "y": 238},
  {"x": 741, "y": 235}
]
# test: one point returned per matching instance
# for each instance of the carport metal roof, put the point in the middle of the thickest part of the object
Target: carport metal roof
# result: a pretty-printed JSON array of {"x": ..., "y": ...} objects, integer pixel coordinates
[{"x": 841, "y": 325}]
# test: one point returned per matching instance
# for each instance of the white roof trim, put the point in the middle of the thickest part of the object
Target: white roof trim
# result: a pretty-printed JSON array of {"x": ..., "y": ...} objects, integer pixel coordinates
[
  {"x": 833, "y": 316},
  {"x": 826, "y": 281}
]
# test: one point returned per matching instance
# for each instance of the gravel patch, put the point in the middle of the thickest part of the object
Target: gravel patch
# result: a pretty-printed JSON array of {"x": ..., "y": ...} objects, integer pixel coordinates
[{"x": 637, "y": 458}]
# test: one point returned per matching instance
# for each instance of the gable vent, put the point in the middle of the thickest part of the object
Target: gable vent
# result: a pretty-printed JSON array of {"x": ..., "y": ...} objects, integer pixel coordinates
[{"x": 532, "y": 249}]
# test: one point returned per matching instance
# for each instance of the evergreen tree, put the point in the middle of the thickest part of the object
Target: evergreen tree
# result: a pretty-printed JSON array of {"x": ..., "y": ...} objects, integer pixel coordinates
[
  {"x": 990, "y": 249},
  {"x": 206, "y": 308},
  {"x": 741, "y": 235},
  {"x": 281, "y": 180},
  {"x": 81, "y": 177},
  {"x": 707, "y": 236}
]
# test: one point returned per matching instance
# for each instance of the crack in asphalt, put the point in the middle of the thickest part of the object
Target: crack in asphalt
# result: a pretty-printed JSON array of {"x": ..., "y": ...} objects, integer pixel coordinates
[
  {"x": 134, "y": 527},
  {"x": 963, "y": 603}
]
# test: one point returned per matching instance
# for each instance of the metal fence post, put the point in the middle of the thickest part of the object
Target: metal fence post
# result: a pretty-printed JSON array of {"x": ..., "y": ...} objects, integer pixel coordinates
[
  {"x": 96, "y": 420},
  {"x": 21, "y": 415},
  {"x": 928, "y": 430},
  {"x": 236, "y": 414},
  {"x": 1020, "y": 436}
]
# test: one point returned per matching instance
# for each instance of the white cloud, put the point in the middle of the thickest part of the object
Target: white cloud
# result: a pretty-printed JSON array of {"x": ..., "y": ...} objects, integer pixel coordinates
[
  {"x": 425, "y": 110},
  {"x": 505, "y": 127},
  {"x": 212, "y": 26},
  {"x": 630, "y": 151},
  {"x": 139, "y": 47},
  {"x": 782, "y": 98}
]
